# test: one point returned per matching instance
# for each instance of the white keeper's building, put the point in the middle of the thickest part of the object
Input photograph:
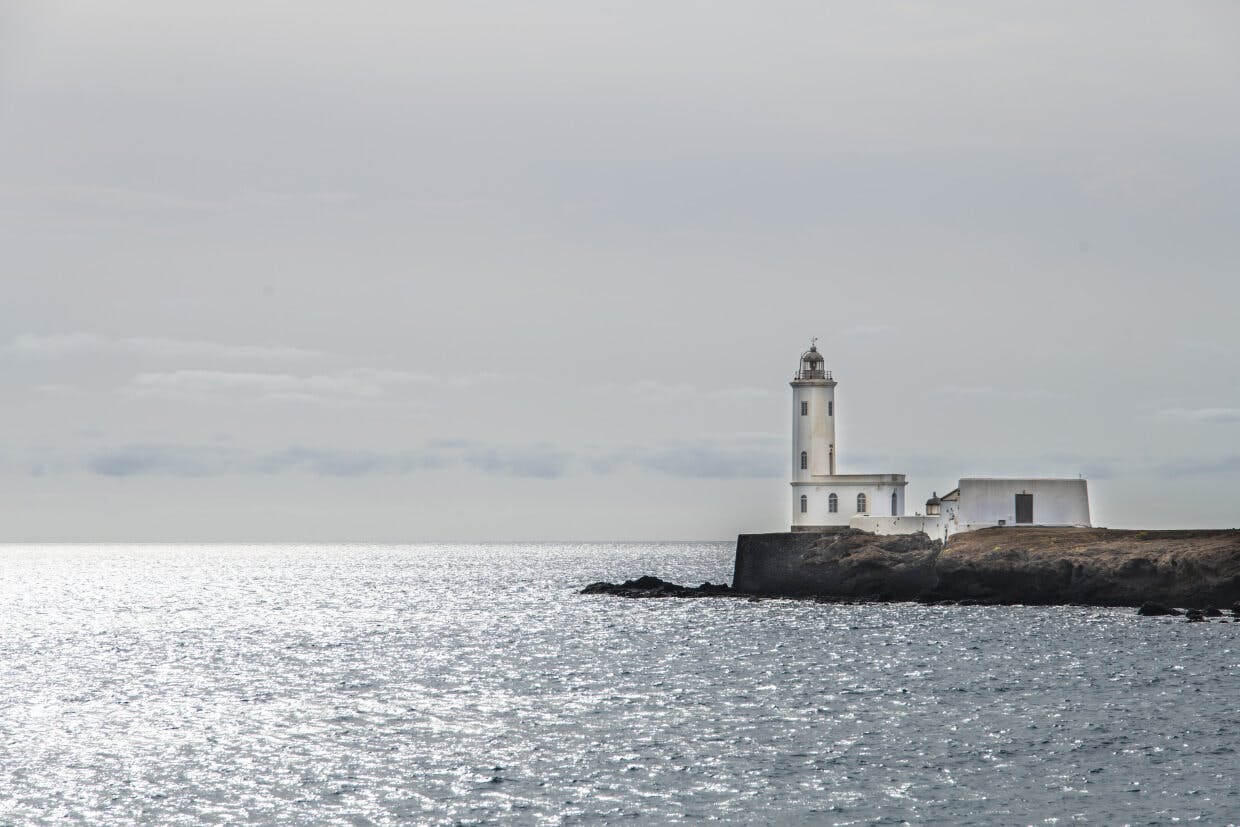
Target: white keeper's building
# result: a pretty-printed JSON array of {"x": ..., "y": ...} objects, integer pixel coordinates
[{"x": 824, "y": 499}]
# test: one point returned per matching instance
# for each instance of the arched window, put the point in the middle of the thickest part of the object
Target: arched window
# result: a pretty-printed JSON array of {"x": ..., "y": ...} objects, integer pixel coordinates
[
  {"x": 861, "y": 503},
  {"x": 833, "y": 504},
  {"x": 804, "y": 460},
  {"x": 894, "y": 503},
  {"x": 804, "y": 503}
]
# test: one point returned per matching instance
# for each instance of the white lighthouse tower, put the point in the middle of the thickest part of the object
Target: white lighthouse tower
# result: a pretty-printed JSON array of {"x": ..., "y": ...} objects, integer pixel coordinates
[
  {"x": 821, "y": 498},
  {"x": 813, "y": 418}
]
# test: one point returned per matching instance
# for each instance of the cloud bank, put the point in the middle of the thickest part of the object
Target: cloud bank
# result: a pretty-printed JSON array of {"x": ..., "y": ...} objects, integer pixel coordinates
[
  {"x": 357, "y": 384},
  {"x": 75, "y": 344},
  {"x": 737, "y": 457},
  {"x": 1215, "y": 415}
]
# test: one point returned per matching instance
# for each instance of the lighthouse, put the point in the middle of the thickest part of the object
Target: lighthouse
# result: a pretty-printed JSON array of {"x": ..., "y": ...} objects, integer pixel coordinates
[
  {"x": 813, "y": 418},
  {"x": 821, "y": 498}
]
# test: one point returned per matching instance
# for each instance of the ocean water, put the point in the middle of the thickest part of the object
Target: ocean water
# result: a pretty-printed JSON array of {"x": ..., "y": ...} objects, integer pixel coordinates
[{"x": 471, "y": 684}]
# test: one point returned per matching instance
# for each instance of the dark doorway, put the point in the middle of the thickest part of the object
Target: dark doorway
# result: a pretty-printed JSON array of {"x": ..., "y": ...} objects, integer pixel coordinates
[{"x": 1024, "y": 508}]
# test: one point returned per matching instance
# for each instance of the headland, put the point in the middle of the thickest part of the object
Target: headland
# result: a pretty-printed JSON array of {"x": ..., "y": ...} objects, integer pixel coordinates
[
  {"x": 1090, "y": 566},
  {"x": 991, "y": 566}
]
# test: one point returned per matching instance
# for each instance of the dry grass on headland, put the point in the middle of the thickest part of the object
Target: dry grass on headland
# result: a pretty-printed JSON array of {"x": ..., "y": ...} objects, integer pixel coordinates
[
  {"x": 1031, "y": 565},
  {"x": 1098, "y": 566}
]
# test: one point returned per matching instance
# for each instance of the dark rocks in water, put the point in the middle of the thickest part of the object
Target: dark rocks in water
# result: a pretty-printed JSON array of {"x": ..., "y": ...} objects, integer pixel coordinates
[
  {"x": 1151, "y": 609},
  {"x": 1195, "y": 616},
  {"x": 1211, "y": 611},
  {"x": 648, "y": 586}
]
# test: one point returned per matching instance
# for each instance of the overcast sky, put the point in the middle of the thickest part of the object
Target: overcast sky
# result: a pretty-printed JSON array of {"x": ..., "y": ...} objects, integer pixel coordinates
[{"x": 501, "y": 270}]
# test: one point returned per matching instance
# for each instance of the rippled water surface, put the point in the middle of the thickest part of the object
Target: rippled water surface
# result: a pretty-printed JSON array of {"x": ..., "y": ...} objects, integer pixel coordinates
[{"x": 471, "y": 684}]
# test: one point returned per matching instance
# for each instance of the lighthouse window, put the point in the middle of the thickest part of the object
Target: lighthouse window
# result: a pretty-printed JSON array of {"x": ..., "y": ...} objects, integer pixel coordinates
[
  {"x": 894, "y": 502},
  {"x": 833, "y": 504},
  {"x": 804, "y": 409},
  {"x": 861, "y": 503},
  {"x": 830, "y": 408},
  {"x": 804, "y": 460},
  {"x": 804, "y": 503}
]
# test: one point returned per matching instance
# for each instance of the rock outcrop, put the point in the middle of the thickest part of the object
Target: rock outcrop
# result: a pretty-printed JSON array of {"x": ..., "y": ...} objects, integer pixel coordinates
[
  {"x": 1151, "y": 609},
  {"x": 648, "y": 586},
  {"x": 1030, "y": 565}
]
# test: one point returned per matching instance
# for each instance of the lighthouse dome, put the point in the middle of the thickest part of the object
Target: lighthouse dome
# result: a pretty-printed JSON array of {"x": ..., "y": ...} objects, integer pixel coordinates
[{"x": 812, "y": 365}]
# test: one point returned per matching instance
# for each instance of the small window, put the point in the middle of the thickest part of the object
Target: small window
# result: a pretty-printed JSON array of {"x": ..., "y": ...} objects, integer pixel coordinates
[
  {"x": 804, "y": 460},
  {"x": 830, "y": 408},
  {"x": 894, "y": 504},
  {"x": 861, "y": 503},
  {"x": 804, "y": 409},
  {"x": 804, "y": 504},
  {"x": 833, "y": 504}
]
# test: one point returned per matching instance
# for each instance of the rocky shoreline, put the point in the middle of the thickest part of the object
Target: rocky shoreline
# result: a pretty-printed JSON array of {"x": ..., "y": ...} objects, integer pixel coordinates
[
  {"x": 649, "y": 586},
  {"x": 1156, "y": 570}
]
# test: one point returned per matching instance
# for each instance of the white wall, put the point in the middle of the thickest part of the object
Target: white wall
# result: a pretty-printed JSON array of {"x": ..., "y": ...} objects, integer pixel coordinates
[
  {"x": 1055, "y": 501},
  {"x": 813, "y": 433},
  {"x": 877, "y": 488},
  {"x": 939, "y": 527}
]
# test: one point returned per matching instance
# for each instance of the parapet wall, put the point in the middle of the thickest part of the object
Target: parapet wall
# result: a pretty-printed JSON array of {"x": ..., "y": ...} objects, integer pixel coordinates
[{"x": 936, "y": 527}]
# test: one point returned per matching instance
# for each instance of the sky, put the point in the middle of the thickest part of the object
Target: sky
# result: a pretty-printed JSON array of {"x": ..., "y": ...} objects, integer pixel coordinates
[{"x": 376, "y": 271}]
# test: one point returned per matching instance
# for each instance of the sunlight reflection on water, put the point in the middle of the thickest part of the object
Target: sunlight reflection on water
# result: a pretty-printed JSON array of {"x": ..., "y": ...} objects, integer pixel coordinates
[{"x": 471, "y": 684}]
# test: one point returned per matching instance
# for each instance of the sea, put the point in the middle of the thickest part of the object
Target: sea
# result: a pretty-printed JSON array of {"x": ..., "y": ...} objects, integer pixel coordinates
[{"x": 473, "y": 684}]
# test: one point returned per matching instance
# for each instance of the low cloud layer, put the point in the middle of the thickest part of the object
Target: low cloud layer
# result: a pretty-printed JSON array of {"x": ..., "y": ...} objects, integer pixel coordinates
[
  {"x": 218, "y": 371},
  {"x": 535, "y": 461},
  {"x": 358, "y": 384},
  {"x": 651, "y": 391},
  {"x": 739, "y": 457},
  {"x": 1204, "y": 414},
  {"x": 77, "y": 344}
]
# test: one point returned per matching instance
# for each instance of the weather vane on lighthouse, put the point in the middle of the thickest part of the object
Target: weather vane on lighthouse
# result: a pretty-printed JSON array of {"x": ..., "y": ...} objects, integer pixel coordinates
[{"x": 813, "y": 342}]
